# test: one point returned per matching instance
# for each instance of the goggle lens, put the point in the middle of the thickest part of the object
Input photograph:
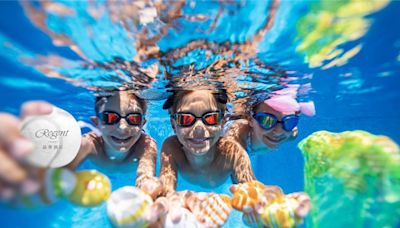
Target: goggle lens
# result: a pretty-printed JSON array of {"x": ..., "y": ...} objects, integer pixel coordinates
[
  {"x": 290, "y": 122},
  {"x": 188, "y": 119},
  {"x": 185, "y": 119},
  {"x": 110, "y": 118},
  {"x": 268, "y": 121},
  {"x": 211, "y": 118},
  {"x": 134, "y": 119}
]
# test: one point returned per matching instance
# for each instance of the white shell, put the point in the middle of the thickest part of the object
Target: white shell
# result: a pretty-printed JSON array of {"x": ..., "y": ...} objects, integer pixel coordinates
[
  {"x": 56, "y": 137},
  {"x": 187, "y": 220},
  {"x": 125, "y": 203}
]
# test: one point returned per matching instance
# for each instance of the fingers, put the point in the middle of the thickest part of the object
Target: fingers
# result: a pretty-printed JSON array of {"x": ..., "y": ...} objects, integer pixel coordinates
[
  {"x": 250, "y": 219},
  {"x": 304, "y": 203},
  {"x": 234, "y": 188},
  {"x": 10, "y": 138},
  {"x": 10, "y": 171},
  {"x": 6, "y": 193},
  {"x": 35, "y": 108},
  {"x": 14, "y": 174},
  {"x": 157, "y": 210},
  {"x": 152, "y": 186},
  {"x": 176, "y": 215}
]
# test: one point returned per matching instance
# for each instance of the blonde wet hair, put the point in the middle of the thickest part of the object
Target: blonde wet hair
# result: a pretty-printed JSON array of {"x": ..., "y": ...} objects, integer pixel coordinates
[
  {"x": 174, "y": 99},
  {"x": 101, "y": 99}
]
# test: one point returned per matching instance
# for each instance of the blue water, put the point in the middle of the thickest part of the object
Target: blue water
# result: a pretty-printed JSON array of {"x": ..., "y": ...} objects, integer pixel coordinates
[{"x": 361, "y": 93}]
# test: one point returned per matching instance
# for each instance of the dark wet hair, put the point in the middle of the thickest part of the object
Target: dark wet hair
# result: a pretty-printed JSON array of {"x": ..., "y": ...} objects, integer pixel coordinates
[
  {"x": 220, "y": 96},
  {"x": 102, "y": 99}
]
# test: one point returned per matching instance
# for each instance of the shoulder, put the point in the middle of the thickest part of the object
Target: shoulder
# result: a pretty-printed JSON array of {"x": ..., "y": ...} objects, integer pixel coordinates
[
  {"x": 91, "y": 143},
  {"x": 171, "y": 141},
  {"x": 238, "y": 127},
  {"x": 229, "y": 146},
  {"x": 146, "y": 140},
  {"x": 172, "y": 147}
]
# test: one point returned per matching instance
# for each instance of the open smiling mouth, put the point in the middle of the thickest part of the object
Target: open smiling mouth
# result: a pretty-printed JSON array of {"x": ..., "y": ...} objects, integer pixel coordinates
[
  {"x": 121, "y": 140},
  {"x": 273, "y": 140},
  {"x": 198, "y": 141}
]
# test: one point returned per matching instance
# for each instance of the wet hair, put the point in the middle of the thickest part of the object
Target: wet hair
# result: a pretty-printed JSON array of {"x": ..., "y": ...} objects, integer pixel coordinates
[
  {"x": 102, "y": 99},
  {"x": 171, "y": 103}
]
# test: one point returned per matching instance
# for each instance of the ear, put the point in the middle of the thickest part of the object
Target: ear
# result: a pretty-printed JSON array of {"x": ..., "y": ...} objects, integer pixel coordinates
[
  {"x": 95, "y": 120},
  {"x": 172, "y": 120}
]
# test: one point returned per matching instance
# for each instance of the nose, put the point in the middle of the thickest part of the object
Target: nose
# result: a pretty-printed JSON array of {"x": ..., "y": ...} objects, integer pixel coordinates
[
  {"x": 278, "y": 130},
  {"x": 198, "y": 131},
  {"x": 123, "y": 125}
]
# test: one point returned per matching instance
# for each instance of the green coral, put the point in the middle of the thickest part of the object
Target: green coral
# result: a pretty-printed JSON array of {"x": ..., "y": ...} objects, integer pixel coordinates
[{"x": 352, "y": 172}]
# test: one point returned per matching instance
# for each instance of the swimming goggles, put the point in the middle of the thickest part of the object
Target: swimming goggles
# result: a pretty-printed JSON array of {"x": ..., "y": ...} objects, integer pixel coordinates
[
  {"x": 268, "y": 121},
  {"x": 110, "y": 118},
  {"x": 187, "y": 119}
]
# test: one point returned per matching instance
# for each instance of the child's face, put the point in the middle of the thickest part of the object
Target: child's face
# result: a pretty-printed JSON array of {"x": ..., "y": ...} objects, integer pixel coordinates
[
  {"x": 199, "y": 138},
  {"x": 274, "y": 136},
  {"x": 121, "y": 136}
]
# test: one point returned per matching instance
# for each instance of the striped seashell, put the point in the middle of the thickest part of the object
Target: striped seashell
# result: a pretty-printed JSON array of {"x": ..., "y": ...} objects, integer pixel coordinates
[
  {"x": 247, "y": 194},
  {"x": 126, "y": 207},
  {"x": 280, "y": 214},
  {"x": 213, "y": 211}
]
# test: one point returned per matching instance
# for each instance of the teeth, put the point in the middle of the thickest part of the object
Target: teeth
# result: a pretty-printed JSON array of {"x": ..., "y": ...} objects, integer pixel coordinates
[
  {"x": 198, "y": 140},
  {"x": 120, "y": 140},
  {"x": 273, "y": 140}
]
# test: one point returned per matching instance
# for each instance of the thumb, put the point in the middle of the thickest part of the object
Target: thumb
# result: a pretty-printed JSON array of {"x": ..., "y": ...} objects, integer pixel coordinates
[{"x": 35, "y": 108}]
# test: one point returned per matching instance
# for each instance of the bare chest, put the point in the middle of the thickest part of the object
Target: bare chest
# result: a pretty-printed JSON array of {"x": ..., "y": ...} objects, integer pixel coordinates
[{"x": 208, "y": 177}]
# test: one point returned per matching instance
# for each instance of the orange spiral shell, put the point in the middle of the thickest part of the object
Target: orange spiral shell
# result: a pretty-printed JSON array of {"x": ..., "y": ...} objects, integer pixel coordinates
[{"x": 213, "y": 211}]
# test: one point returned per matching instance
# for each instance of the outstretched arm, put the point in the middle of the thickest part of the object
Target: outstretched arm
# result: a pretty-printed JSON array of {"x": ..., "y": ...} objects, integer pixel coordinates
[
  {"x": 145, "y": 178},
  {"x": 239, "y": 130},
  {"x": 168, "y": 173},
  {"x": 239, "y": 159},
  {"x": 87, "y": 147}
]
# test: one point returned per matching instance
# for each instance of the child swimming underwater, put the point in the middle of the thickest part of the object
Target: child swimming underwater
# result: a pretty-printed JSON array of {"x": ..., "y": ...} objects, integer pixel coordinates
[
  {"x": 270, "y": 123},
  {"x": 197, "y": 150},
  {"x": 122, "y": 146}
]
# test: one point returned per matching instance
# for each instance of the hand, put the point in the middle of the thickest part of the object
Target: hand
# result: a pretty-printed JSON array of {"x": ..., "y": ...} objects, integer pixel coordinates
[
  {"x": 247, "y": 195},
  {"x": 284, "y": 211},
  {"x": 156, "y": 212},
  {"x": 172, "y": 205},
  {"x": 14, "y": 174},
  {"x": 304, "y": 204},
  {"x": 152, "y": 186}
]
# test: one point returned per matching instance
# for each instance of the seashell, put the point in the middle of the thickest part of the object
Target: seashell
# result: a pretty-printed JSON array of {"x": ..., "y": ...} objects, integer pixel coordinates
[
  {"x": 247, "y": 195},
  {"x": 92, "y": 188},
  {"x": 213, "y": 211},
  {"x": 280, "y": 214},
  {"x": 187, "y": 220},
  {"x": 126, "y": 207},
  {"x": 59, "y": 183}
]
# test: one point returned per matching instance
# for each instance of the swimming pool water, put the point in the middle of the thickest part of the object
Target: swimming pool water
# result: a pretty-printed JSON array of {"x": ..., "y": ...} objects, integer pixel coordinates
[{"x": 357, "y": 90}]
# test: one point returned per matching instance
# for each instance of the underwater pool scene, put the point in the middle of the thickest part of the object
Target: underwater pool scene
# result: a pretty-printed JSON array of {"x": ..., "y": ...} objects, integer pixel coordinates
[{"x": 340, "y": 56}]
